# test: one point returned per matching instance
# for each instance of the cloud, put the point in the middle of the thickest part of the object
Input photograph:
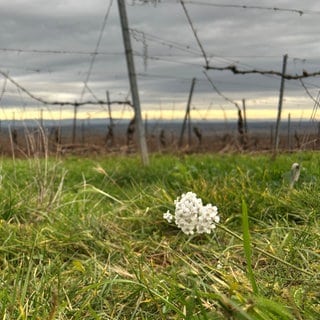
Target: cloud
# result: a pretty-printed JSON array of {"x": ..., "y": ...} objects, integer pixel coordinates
[{"x": 47, "y": 47}]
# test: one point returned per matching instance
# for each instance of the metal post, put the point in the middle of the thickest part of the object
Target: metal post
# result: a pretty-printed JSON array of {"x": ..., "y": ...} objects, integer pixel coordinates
[
  {"x": 133, "y": 82},
  {"x": 284, "y": 66},
  {"x": 187, "y": 114}
]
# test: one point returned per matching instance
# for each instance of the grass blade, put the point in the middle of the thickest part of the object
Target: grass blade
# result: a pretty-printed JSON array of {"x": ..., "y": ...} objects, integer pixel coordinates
[{"x": 247, "y": 246}]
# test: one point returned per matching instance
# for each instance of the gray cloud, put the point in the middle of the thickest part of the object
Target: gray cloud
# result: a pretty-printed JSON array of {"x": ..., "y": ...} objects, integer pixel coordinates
[{"x": 54, "y": 40}]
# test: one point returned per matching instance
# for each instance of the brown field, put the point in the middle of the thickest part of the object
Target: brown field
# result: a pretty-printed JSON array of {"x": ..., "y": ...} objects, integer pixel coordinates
[{"x": 26, "y": 142}]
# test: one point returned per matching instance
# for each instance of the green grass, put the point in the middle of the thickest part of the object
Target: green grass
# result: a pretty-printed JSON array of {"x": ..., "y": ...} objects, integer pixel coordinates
[{"x": 85, "y": 239}]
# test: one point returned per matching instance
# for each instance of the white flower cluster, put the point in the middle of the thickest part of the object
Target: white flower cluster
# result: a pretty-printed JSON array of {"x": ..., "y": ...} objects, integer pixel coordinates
[{"x": 192, "y": 216}]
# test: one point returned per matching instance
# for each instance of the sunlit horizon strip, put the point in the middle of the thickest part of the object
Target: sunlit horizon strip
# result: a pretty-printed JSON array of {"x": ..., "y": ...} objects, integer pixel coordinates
[{"x": 16, "y": 114}]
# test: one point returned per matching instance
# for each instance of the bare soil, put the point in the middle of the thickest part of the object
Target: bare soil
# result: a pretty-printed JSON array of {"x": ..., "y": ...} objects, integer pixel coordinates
[{"x": 27, "y": 143}]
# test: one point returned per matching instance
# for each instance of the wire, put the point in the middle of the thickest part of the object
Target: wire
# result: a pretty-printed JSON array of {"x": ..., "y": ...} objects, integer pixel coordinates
[
  {"x": 236, "y": 6},
  {"x": 61, "y": 103},
  {"x": 194, "y": 32},
  {"x": 47, "y": 51},
  {"x": 156, "y": 58},
  {"x": 220, "y": 93},
  {"x": 96, "y": 49},
  {"x": 3, "y": 89},
  {"x": 315, "y": 100},
  {"x": 168, "y": 43}
]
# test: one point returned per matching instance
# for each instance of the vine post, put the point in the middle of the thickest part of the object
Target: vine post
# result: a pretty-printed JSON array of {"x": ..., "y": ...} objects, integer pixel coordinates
[{"x": 133, "y": 82}]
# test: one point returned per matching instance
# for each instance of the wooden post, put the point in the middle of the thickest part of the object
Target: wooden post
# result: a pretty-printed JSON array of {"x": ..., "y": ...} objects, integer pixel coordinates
[
  {"x": 74, "y": 127},
  {"x": 41, "y": 135},
  {"x": 289, "y": 132},
  {"x": 187, "y": 115},
  {"x": 109, "y": 110},
  {"x": 133, "y": 82},
  {"x": 245, "y": 116},
  {"x": 110, "y": 133},
  {"x": 276, "y": 140}
]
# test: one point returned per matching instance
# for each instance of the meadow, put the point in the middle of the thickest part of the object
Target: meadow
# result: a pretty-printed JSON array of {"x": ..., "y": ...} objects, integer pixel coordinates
[{"x": 86, "y": 239}]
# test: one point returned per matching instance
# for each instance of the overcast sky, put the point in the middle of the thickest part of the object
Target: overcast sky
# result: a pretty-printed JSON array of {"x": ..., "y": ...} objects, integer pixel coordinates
[{"x": 47, "y": 48}]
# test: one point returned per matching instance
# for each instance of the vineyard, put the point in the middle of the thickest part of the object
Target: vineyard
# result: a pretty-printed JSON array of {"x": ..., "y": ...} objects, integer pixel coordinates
[{"x": 96, "y": 138}]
